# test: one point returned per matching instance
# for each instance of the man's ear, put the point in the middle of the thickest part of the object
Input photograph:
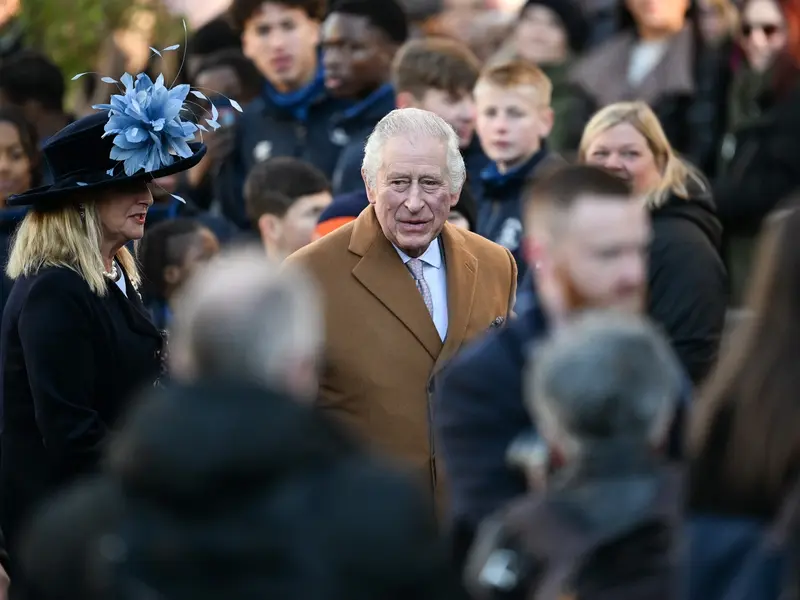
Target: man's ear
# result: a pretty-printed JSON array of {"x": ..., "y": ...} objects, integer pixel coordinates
[
  {"x": 371, "y": 194},
  {"x": 405, "y": 100},
  {"x": 172, "y": 275},
  {"x": 269, "y": 226}
]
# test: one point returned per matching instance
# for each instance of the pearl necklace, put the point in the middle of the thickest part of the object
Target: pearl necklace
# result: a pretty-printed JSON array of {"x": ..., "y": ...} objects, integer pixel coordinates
[{"x": 114, "y": 274}]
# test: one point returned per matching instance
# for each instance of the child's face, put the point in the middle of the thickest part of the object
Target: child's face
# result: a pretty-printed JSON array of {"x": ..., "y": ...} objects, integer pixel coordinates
[
  {"x": 200, "y": 249},
  {"x": 458, "y": 109},
  {"x": 511, "y": 122}
]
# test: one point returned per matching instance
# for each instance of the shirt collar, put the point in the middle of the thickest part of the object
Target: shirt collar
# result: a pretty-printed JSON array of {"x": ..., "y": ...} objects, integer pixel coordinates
[{"x": 432, "y": 256}]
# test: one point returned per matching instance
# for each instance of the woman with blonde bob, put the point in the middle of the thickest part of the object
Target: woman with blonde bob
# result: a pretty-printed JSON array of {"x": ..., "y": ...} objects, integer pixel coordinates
[
  {"x": 687, "y": 279},
  {"x": 76, "y": 342}
]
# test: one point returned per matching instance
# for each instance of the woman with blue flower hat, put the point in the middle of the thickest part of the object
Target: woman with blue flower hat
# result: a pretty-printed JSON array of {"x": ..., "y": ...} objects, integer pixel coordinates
[{"x": 76, "y": 342}]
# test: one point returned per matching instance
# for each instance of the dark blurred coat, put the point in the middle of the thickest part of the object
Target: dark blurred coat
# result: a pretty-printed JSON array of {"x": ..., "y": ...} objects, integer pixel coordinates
[
  {"x": 266, "y": 130},
  {"x": 686, "y": 90},
  {"x": 70, "y": 362},
  {"x": 382, "y": 347},
  {"x": 764, "y": 171},
  {"x": 9, "y": 219},
  {"x": 351, "y": 127},
  {"x": 687, "y": 281},
  {"x": 607, "y": 529},
  {"x": 239, "y": 492}
]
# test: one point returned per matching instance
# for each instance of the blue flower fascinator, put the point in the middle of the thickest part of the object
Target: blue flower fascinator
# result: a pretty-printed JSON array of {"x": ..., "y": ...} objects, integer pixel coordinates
[{"x": 147, "y": 131}]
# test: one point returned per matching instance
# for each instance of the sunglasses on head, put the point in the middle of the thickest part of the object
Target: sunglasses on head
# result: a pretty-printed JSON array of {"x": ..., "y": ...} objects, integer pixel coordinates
[{"x": 768, "y": 29}]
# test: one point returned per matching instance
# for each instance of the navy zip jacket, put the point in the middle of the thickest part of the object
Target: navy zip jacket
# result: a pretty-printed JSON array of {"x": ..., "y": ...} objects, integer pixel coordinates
[
  {"x": 500, "y": 202},
  {"x": 352, "y": 127},
  {"x": 279, "y": 125}
]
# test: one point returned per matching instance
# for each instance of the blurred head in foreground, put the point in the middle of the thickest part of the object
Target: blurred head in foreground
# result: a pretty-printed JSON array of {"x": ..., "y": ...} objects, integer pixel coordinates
[
  {"x": 241, "y": 317},
  {"x": 603, "y": 379}
]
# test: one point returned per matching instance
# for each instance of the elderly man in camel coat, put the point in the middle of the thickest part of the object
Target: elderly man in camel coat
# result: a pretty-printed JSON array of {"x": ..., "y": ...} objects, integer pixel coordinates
[{"x": 404, "y": 290}]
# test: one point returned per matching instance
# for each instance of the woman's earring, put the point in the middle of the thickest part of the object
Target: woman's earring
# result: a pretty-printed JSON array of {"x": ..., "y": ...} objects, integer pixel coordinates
[{"x": 82, "y": 212}]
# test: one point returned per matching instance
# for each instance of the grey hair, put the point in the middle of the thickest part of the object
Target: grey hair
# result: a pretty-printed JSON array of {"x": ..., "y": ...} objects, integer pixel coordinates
[
  {"x": 603, "y": 377},
  {"x": 243, "y": 317},
  {"x": 413, "y": 123}
]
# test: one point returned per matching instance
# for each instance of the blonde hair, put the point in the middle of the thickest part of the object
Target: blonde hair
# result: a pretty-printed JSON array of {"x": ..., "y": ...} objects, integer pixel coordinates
[
  {"x": 60, "y": 238},
  {"x": 729, "y": 12},
  {"x": 676, "y": 174},
  {"x": 517, "y": 73}
]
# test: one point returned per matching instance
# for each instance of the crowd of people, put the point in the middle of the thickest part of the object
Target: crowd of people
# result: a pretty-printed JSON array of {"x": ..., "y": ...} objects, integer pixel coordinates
[{"x": 368, "y": 305}]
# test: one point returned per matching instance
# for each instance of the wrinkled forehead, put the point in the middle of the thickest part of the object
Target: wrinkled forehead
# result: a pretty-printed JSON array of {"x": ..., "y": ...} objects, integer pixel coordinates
[{"x": 417, "y": 154}]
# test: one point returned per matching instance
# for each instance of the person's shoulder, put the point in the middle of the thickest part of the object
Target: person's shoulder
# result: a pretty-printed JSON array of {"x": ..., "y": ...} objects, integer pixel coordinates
[
  {"x": 51, "y": 292},
  {"x": 61, "y": 280},
  {"x": 482, "y": 248},
  {"x": 590, "y": 67},
  {"x": 324, "y": 252}
]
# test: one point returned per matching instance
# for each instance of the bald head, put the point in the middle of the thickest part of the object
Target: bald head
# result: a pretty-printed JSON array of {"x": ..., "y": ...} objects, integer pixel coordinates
[{"x": 242, "y": 317}]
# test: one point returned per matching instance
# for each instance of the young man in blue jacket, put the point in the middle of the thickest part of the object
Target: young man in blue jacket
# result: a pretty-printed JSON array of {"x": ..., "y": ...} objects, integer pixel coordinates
[
  {"x": 359, "y": 41},
  {"x": 292, "y": 115}
]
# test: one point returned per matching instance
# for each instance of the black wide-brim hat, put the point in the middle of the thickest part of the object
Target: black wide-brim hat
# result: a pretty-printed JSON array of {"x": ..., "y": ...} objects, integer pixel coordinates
[{"x": 78, "y": 158}]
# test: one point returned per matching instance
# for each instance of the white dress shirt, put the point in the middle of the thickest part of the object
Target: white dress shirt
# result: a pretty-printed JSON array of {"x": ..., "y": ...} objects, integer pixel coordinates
[{"x": 435, "y": 274}]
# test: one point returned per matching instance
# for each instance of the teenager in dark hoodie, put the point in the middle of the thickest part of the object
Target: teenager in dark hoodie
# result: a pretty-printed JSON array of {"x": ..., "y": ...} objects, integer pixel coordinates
[
  {"x": 688, "y": 288},
  {"x": 20, "y": 170},
  {"x": 359, "y": 41},
  {"x": 514, "y": 119},
  {"x": 292, "y": 116}
]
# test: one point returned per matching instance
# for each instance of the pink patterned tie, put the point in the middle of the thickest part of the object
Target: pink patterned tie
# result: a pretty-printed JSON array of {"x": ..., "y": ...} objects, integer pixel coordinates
[{"x": 415, "y": 265}]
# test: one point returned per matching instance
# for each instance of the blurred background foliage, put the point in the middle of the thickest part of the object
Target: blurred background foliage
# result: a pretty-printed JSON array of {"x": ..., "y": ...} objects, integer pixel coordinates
[{"x": 74, "y": 33}]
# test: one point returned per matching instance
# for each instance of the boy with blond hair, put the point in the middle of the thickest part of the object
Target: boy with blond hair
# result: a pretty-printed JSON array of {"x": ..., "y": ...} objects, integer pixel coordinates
[{"x": 514, "y": 120}]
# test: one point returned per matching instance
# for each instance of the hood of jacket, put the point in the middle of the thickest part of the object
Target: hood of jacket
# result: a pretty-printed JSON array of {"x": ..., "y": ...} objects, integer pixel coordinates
[{"x": 699, "y": 208}]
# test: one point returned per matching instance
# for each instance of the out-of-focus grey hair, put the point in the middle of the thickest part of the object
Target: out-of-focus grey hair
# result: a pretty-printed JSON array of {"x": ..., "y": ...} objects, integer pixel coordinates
[
  {"x": 413, "y": 124},
  {"x": 243, "y": 317},
  {"x": 605, "y": 376}
]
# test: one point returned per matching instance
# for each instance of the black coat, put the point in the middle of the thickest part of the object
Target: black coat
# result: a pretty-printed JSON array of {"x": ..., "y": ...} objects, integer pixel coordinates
[
  {"x": 688, "y": 284},
  {"x": 71, "y": 360},
  {"x": 9, "y": 219}
]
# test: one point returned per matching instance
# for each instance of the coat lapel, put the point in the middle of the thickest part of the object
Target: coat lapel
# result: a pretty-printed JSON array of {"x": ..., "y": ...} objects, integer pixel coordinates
[
  {"x": 382, "y": 272},
  {"x": 135, "y": 312},
  {"x": 462, "y": 272}
]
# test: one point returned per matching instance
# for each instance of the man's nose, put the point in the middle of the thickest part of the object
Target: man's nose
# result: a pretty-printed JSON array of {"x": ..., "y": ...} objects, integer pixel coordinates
[
  {"x": 414, "y": 201},
  {"x": 331, "y": 57}
]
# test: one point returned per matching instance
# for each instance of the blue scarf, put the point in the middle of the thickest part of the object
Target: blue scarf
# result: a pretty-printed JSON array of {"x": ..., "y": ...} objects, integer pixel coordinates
[
  {"x": 379, "y": 95},
  {"x": 492, "y": 175},
  {"x": 299, "y": 101}
]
